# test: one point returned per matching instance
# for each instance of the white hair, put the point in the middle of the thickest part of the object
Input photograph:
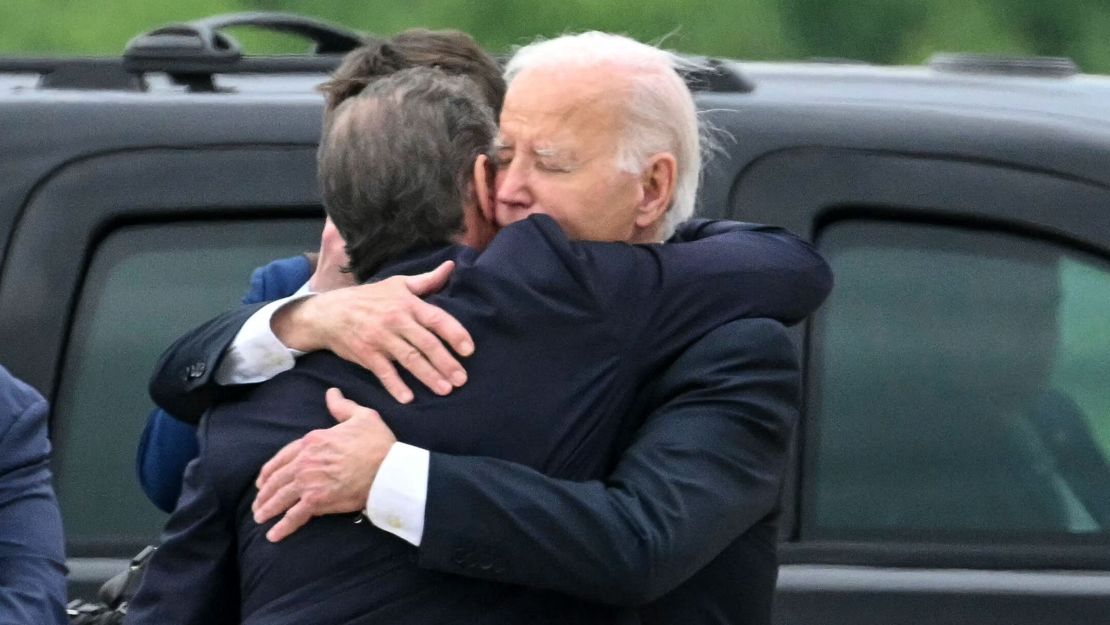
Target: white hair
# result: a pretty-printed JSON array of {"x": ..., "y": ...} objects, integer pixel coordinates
[{"x": 660, "y": 114}]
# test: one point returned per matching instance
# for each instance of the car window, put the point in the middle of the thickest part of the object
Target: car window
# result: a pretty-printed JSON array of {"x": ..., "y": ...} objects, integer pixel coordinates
[
  {"x": 958, "y": 387},
  {"x": 146, "y": 285}
]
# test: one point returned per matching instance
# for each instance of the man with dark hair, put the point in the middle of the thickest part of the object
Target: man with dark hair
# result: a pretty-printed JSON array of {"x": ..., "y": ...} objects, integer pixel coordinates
[
  {"x": 32, "y": 562},
  {"x": 403, "y": 203},
  {"x": 572, "y": 330},
  {"x": 168, "y": 442}
]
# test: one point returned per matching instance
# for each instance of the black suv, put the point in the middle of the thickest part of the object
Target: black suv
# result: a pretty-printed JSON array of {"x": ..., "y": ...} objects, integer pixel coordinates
[{"x": 952, "y": 461}]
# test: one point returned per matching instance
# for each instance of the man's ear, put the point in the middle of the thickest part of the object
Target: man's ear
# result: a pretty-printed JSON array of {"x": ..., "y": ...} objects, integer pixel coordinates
[
  {"x": 483, "y": 185},
  {"x": 478, "y": 209},
  {"x": 658, "y": 183}
]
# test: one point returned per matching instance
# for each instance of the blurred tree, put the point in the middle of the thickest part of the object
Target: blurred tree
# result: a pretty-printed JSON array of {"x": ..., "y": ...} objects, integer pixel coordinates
[
  {"x": 873, "y": 30},
  {"x": 961, "y": 26},
  {"x": 885, "y": 31}
]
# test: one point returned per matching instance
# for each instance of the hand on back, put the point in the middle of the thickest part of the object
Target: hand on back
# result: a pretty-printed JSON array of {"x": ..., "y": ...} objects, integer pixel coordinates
[{"x": 378, "y": 324}]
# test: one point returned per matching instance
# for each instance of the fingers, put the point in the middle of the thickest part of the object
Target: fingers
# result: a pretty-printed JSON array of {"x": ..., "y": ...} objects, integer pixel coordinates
[
  {"x": 280, "y": 459},
  {"x": 397, "y": 348},
  {"x": 431, "y": 282},
  {"x": 344, "y": 409},
  {"x": 386, "y": 373},
  {"x": 446, "y": 327},
  {"x": 437, "y": 365},
  {"x": 293, "y": 520},
  {"x": 340, "y": 407},
  {"x": 279, "y": 500}
]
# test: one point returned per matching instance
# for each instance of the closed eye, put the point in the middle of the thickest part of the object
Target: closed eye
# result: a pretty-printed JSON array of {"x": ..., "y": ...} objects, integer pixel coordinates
[
  {"x": 503, "y": 156},
  {"x": 553, "y": 167}
]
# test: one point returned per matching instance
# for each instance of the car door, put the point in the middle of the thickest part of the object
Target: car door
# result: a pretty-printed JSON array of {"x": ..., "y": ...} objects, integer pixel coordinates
[
  {"x": 114, "y": 255},
  {"x": 952, "y": 461}
]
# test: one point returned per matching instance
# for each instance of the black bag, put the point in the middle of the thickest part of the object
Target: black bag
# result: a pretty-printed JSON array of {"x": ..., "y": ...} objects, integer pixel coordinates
[{"x": 114, "y": 595}]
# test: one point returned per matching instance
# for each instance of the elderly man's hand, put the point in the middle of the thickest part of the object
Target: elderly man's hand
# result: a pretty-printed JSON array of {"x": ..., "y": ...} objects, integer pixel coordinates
[
  {"x": 376, "y": 324},
  {"x": 326, "y": 472}
]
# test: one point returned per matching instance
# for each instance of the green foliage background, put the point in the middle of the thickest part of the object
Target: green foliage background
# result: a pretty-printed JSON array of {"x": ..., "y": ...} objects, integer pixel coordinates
[{"x": 883, "y": 31}]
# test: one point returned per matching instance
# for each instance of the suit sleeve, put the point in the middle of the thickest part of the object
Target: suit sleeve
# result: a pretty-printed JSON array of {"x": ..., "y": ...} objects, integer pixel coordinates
[
  {"x": 165, "y": 449},
  {"x": 183, "y": 383},
  {"x": 717, "y": 271},
  {"x": 664, "y": 296},
  {"x": 704, "y": 467},
  {"x": 32, "y": 562}
]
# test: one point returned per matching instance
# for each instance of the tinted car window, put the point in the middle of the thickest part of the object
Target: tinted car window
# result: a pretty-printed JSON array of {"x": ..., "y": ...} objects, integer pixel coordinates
[
  {"x": 959, "y": 387},
  {"x": 145, "y": 286}
]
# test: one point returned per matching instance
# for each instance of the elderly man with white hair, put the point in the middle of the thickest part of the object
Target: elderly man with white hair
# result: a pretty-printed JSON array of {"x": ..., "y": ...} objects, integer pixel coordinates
[{"x": 600, "y": 133}]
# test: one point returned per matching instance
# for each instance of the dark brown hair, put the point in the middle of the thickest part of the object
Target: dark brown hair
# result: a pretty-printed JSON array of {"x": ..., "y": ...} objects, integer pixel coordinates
[
  {"x": 450, "y": 51},
  {"x": 395, "y": 163}
]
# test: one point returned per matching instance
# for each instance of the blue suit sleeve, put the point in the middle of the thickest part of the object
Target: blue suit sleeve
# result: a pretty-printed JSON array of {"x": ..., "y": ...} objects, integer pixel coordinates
[
  {"x": 169, "y": 443},
  {"x": 32, "y": 559},
  {"x": 279, "y": 279},
  {"x": 166, "y": 447}
]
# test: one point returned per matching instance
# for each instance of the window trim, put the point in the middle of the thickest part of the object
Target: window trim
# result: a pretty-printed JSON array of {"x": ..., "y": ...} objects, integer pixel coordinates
[
  {"x": 806, "y": 188},
  {"x": 107, "y": 546}
]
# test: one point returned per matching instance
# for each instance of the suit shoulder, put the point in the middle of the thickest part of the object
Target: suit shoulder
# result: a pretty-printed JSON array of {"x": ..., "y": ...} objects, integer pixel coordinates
[
  {"x": 22, "y": 417},
  {"x": 279, "y": 278},
  {"x": 17, "y": 399}
]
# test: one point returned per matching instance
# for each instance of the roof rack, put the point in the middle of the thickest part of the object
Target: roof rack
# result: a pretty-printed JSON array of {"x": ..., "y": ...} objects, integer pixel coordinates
[
  {"x": 1041, "y": 66},
  {"x": 191, "y": 53},
  {"x": 76, "y": 73}
]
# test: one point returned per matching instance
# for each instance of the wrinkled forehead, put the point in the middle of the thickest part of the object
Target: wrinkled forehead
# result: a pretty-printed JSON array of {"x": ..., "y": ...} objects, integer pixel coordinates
[{"x": 565, "y": 102}]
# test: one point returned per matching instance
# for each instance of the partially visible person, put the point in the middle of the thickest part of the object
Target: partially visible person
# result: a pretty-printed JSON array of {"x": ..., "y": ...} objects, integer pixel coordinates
[
  {"x": 572, "y": 330},
  {"x": 32, "y": 545}
]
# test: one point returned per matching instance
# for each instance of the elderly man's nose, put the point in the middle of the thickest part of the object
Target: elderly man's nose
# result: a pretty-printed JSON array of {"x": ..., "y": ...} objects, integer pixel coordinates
[{"x": 512, "y": 185}]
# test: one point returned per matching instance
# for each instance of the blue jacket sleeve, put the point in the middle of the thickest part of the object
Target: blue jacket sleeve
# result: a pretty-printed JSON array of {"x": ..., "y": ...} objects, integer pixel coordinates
[
  {"x": 166, "y": 447},
  {"x": 169, "y": 443},
  {"x": 32, "y": 559}
]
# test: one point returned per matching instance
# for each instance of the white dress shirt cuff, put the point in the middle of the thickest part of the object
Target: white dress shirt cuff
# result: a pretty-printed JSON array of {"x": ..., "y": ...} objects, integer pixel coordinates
[
  {"x": 256, "y": 354},
  {"x": 400, "y": 492}
]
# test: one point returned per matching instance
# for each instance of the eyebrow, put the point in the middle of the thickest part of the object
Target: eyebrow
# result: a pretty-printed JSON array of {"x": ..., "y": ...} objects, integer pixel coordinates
[
  {"x": 548, "y": 152},
  {"x": 541, "y": 152}
]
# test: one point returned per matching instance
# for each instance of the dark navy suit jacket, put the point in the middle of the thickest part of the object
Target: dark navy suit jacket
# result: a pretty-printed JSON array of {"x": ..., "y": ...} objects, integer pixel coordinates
[
  {"x": 567, "y": 333},
  {"x": 32, "y": 562}
]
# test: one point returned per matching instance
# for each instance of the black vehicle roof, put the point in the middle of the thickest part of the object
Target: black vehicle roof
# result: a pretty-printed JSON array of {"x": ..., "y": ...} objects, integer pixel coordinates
[
  {"x": 1051, "y": 124},
  {"x": 1058, "y": 124}
]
